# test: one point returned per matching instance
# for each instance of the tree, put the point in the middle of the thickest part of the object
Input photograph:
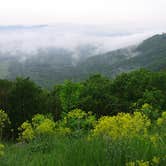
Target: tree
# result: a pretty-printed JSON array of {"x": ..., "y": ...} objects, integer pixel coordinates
[
  {"x": 26, "y": 99},
  {"x": 154, "y": 97},
  {"x": 55, "y": 103},
  {"x": 96, "y": 96},
  {"x": 5, "y": 87},
  {"x": 69, "y": 95},
  {"x": 129, "y": 87}
]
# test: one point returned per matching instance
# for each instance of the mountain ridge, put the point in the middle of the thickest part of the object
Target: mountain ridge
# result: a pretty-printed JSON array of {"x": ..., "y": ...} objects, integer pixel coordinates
[{"x": 55, "y": 65}]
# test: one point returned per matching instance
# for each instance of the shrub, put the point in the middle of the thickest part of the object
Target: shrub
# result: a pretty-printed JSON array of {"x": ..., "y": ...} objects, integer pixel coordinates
[
  {"x": 2, "y": 150},
  {"x": 77, "y": 121},
  {"x": 41, "y": 125},
  {"x": 149, "y": 111},
  {"x": 4, "y": 120},
  {"x": 161, "y": 124},
  {"x": 122, "y": 125}
]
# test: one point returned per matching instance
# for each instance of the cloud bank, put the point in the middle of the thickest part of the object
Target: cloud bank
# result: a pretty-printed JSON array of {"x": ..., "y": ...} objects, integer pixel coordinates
[{"x": 29, "y": 39}]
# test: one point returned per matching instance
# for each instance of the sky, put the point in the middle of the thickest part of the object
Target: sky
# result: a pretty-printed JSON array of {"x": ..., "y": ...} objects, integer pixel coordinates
[
  {"x": 111, "y": 24},
  {"x": 129, "y": 13}
]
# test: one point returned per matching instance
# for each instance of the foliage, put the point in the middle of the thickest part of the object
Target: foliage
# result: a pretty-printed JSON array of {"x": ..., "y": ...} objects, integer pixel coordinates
[
  {"x": 161, "y": 123},
  {"x": 69, "y": 95},
  {"x": 26, "y": 99},
  {"x": 4, "y": 120},
  {"x": 70, "y": 151},
  {"x": 149, "y": 111},
  {"x": 5, "y": 88},
  {"x": 96, "y": 96},
  {"x": 1, "y": 150},
  {"x": 153, "y": 97},
  {"x": 76, "y": 121},
  {"x": 27, "y": 132},
  {"x": 122, "y": 125},
  {"x": 155, "y": 161},
  {"x": 40, "y": 125}
]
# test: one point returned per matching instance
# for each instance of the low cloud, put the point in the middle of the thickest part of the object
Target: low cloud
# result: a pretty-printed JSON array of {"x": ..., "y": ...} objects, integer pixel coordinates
[{"x": 29, "y": 39}]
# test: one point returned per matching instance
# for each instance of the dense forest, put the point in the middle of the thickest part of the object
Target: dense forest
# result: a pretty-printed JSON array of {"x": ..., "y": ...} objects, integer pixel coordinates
[{"x": 102, "y": 121}]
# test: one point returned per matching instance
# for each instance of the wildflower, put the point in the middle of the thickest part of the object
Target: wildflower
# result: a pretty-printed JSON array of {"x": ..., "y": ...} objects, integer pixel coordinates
[
  {"x": 156, "y": 160},
  {"x": 2, "y": 150},
  {"x": 154, "y": 139},
  {"x": 122, "y": 125},
  {"x": 130, "y": 164}
]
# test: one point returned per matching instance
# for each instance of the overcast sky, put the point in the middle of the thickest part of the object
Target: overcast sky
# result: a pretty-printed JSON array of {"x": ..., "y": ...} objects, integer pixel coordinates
[
  {"x": 115, "y": 23},
  {"x": 141, "y": 13}
]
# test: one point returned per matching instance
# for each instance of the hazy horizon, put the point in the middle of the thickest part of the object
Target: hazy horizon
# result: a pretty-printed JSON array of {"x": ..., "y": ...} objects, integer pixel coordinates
[
  {"x": 69, "y": 36},
  {"x": 137, "y": 13},
  {"x": 106, "y": 24}
]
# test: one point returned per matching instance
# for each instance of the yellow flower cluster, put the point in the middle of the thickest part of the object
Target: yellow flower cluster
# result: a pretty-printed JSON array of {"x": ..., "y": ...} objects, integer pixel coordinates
[
  {"x": 162, "y": 120},
  {"x": 40, "y": 125},
  {"x": 161, "y": 123},
  {"x": 46, "y": 127},
  {"x": 27, "y": 132},
  {"x": 154, "y": 139},
  {"x": 77, "y": 120},
  {"x": 3, "y": 119},
  {"x": 77, "y": 113},
  {"x": 138, "y": 163},
  {"x": 154, "y": 162},
  {"x": 1, "y": 150},
  {"x": 122, "y": 125},
  {"x": 63, "y": 131}
]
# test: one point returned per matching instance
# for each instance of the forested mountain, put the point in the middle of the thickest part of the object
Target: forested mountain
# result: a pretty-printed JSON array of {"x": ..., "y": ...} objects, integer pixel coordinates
[
  {"x": 54, "y": 65},
  {"x": 150, "y": 54}
]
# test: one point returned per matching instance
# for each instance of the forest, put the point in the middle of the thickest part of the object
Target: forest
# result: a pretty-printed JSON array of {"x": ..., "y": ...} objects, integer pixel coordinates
[{"x": 97, "y": 121}]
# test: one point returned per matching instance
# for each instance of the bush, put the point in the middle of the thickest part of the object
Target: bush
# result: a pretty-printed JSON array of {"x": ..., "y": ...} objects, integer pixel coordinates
[
  {"x": 161, "y": 124},
  {"x": 2, "y": 150},
  {"x": 77, "y": 121},
  {"x": 122, "y": 125},
  {"x": 4, "y": 120},
  {"x": 150, "y": 111},
  {"x": 41, "y": 125}
]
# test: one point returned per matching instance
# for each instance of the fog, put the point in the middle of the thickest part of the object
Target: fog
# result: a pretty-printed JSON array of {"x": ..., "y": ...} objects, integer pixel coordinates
[{"x": 28, "y": 39}]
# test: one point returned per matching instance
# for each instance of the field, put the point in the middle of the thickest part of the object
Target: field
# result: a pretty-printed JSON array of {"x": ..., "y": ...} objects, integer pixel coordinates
[{"x": 71, "y": 152}]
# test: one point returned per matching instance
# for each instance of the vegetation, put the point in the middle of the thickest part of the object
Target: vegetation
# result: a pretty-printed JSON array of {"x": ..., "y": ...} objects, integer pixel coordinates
[{"x": 98, "y": 121}]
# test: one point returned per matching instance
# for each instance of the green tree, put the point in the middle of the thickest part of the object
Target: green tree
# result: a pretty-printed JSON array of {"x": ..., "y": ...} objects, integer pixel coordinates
[
  {"x": 26, "y": 99},
  {"x": 5, "y": 87},
  {"x": 129, "y": 87},
  {"x": 69, "y": 95},
  {"x": 96, "y": 96},
  {"x": 55, "y": 103},
  {"x": 154, "y": 97}
]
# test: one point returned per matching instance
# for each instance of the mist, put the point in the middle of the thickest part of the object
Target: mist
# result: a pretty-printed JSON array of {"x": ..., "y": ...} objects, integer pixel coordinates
[{"x": 27, "y": 40}]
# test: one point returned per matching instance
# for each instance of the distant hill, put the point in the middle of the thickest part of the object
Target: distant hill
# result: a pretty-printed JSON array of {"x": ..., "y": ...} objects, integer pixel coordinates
[
  {"x": 150, "y": 54},
  {"x": 53, "y": 65}
]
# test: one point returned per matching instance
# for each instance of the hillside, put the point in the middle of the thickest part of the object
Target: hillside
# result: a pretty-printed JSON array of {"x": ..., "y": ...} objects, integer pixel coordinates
[
  {"x": 52, "y": 65},
  {"x": 150, "y": 54}
]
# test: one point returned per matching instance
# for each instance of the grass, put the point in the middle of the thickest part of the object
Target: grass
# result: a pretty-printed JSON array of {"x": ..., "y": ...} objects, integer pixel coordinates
[{"x": 60, "y": 151}]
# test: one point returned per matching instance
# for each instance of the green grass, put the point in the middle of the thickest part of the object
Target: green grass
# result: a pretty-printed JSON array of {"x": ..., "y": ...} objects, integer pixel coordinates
[{"x": 59, "y": 151}]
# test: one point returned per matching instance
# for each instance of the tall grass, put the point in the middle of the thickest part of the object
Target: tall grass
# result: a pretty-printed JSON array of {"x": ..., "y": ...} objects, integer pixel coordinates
[{"x": 61, "y": 151}]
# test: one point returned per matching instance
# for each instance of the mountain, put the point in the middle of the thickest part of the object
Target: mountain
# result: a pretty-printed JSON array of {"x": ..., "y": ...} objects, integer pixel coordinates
[
  {"x": 150, "y": 54},
  {"x": 54, "y": 65}
]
